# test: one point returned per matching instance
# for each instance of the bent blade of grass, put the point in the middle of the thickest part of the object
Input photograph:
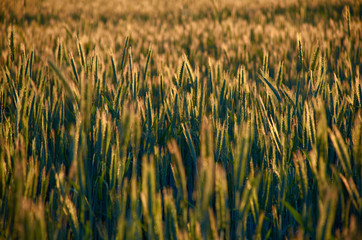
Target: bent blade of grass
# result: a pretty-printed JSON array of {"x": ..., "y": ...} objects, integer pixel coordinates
[
  {"x": 264, "y": 79},
  {"x": 189, "y": 69},
  {"x": 294, "y": 212},
  {"x": 341, "y": 149},
  {"x": 352, "y": 190},
  {"x": 70, "y": 90}
]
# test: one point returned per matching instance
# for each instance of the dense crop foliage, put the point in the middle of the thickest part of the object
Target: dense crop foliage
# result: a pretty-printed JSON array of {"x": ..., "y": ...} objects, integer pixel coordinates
[{"x": 176, "y": 119}]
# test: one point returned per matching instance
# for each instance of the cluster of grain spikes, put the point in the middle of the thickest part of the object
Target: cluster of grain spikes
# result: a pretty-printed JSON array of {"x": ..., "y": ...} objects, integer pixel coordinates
[{"x": 92, "y": 149}]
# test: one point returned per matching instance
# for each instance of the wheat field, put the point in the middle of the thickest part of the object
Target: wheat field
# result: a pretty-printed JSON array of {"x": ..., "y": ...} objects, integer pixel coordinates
[{"x": 156, "y": 119}]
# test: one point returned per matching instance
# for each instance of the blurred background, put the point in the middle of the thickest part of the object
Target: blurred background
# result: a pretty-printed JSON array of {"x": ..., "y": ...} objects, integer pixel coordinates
[{"x": 215, "y": 29}]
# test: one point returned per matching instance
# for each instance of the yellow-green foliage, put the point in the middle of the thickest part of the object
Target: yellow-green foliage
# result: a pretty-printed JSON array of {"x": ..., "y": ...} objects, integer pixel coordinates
[{"x": 180, "y": 119}]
